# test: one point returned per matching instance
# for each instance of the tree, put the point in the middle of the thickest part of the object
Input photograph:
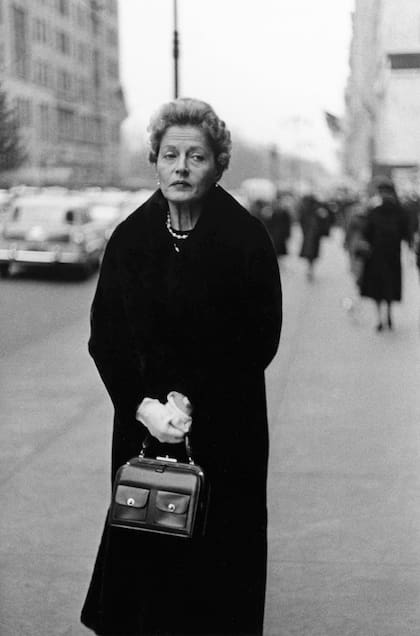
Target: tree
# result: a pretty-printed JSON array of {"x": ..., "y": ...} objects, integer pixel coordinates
[{"x": 12, "y": 151}]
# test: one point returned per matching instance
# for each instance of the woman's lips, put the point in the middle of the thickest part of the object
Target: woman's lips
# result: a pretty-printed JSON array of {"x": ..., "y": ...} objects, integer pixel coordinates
[{"x": 181, "y": 184}]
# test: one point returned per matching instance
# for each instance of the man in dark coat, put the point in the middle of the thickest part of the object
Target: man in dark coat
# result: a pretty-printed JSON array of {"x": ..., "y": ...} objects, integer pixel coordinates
[{"x": 205, "y": 322}]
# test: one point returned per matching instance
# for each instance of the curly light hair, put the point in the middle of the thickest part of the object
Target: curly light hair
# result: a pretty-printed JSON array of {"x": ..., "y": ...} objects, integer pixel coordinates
[{"x": 186, "y": 111}]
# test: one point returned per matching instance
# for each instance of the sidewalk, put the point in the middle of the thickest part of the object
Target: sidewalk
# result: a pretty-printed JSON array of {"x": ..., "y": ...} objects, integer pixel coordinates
[{"x": 344, "y": 484}]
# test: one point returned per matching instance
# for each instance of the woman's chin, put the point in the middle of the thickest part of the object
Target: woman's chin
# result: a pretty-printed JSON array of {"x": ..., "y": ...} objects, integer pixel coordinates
[{"x": 182, "y": 197}]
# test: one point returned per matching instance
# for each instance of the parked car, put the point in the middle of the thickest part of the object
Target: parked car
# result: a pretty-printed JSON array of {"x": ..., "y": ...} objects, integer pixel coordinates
[
  {"x": 106, "y": 208},
  {"x": 50, "y": 231}
]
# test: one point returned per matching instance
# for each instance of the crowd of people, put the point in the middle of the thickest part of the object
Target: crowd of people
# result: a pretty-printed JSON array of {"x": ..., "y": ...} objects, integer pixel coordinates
[
  {"x": 314, "y": 216},
  {"x": 374, "y": 225}
]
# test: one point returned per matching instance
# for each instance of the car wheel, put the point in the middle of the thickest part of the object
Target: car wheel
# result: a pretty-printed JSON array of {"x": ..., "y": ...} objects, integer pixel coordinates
[{"x": 4, "y": 270}]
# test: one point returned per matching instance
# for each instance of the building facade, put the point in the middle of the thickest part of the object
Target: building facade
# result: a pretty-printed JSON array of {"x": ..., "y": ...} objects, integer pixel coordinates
[
  {"x": 383, "y": 92},
  {"x": 59, "y": 65}
]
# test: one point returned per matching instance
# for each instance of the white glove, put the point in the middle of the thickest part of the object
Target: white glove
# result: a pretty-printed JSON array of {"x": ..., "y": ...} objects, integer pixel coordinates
[
  {"x": 179, "y": 408},
  {"x": 157, "y": 417}
]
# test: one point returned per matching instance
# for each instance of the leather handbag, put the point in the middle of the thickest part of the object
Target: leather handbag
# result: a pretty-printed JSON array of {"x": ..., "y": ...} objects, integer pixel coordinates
[{"x": 160, "y": 495}]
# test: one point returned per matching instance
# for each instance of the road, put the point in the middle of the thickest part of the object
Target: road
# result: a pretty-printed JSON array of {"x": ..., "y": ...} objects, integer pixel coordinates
[
  {"x": 344, "y": 555},
  {"x": 34, "y": 305}
]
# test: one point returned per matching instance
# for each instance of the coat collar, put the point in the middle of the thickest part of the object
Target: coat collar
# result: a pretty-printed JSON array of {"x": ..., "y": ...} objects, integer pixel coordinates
[{"x": 218, "y": 206}]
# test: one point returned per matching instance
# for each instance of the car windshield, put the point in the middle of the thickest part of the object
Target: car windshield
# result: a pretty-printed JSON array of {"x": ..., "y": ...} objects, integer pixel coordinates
[{"x": 41, "y": 214}]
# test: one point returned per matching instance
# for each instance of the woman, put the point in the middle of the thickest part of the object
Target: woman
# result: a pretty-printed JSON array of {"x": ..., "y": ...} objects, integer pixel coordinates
[
  {"x": 188, "y": 300},
  {"x": 386, "y": 226}
]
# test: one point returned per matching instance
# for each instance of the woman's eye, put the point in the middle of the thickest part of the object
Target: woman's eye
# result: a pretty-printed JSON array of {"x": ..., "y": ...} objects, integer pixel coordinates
[
  {"x": 169, "y": 155},
  {"x": 197, "y": 157}
]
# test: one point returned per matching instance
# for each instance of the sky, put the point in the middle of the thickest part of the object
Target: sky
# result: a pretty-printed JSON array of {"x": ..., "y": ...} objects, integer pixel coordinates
[{"x": 270, "y": 68}]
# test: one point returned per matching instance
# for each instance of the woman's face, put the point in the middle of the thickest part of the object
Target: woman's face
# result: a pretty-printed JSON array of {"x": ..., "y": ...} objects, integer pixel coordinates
[{"x": 185, "y": 165}]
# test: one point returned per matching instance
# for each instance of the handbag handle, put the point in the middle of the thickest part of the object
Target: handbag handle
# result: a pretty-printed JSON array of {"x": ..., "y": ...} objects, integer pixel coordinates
[{"x": 187, "y": 442}]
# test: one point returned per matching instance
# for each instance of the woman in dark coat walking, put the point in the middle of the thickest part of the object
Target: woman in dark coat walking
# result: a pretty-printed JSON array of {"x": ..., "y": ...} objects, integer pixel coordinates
[
  {"x": 386, "y": 226},
  {"x": 188, "y": 299}
]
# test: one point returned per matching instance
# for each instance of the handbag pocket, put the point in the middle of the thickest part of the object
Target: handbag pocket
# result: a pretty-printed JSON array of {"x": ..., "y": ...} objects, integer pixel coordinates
[
  {"x": 171, "y": 509},
  {"x": 131, "y": 503}
]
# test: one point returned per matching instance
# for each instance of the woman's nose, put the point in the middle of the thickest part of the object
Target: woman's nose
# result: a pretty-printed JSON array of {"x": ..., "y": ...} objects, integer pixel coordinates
[{"x": 181, "y": 165}]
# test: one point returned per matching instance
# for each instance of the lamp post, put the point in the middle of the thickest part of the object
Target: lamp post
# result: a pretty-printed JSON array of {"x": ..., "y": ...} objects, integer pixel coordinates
[{"x": 176, "y": 51}]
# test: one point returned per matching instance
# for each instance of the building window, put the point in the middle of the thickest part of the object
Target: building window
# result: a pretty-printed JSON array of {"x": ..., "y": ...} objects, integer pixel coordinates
[
  {"x": 63, "y": 7},
  {"x": 64, "y": 83},
  {"x": 20, "y": 42},
  {"x": 23, "y": 110},
  {"x": 37, "y": 72},
  {"x": 83, "y": 90},
  {"x": 44, "y": 121},
  {"x": 85, "y": 127},
  {"x": 40, "y": 31},
  {"x": 42, "y": 73},
  {"x": 63, "y": 42},
  {"x": 65, "y": 123},
  {"x": 82, "y": 52},
  {"x": 96, "y": 70},
  {"x": 404, "y": 61}
]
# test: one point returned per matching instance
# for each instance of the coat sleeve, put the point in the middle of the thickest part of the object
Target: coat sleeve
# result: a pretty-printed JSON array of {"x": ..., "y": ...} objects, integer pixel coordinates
[
  {"x": 110, "y": 343},
  {"x": 263, "y": 311}
]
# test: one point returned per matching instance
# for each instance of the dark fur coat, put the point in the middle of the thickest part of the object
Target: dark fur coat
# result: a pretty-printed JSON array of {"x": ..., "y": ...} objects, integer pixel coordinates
[{"x": 205, "y": 322}]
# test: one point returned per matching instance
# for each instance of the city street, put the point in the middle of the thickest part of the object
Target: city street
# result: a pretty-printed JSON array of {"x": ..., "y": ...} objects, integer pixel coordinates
[{"x": 344, "y": 482}]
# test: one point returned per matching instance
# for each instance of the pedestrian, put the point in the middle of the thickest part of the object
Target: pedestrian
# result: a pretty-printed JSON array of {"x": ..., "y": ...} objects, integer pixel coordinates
[
  {"x": 411, "y": 206},
  {"x": 188, "y": 299},
  {"x": 386, "y": 227},
  {"x": 357, "y": 247},
  {"x": 282, "y": 222},
  {"x": 265, "y": 213},
  {"x": 314, "y": 219}
]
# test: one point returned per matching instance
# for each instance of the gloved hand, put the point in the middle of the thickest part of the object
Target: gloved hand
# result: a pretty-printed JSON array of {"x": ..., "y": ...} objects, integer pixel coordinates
[
  {"x": 167, "y": 422},
  {"x": 157, "y": 419},
  {"x": 179, "y": 406}
]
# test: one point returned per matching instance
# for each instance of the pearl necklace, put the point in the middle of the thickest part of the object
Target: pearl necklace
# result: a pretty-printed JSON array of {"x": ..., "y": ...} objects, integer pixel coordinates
[{"x": 175, "y": 233}]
